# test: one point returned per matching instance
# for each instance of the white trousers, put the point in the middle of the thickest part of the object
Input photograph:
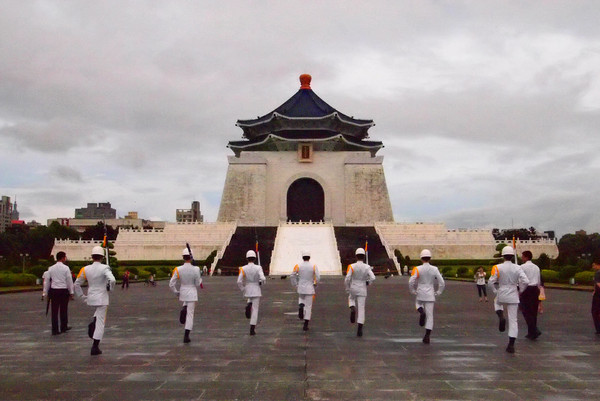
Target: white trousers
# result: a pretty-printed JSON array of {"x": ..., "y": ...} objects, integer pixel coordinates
[
  {"x": 359, "y": 302},
  {"x": 497, "y": 305},
  {"x": 428, "y": 308},
  {"x": 307, "y": 300},
  {"x": 255, "y": 304},
  {"x": 513, "y": 326},
  {"x": 100, "y": 315},
  {"x": 189, "y": 318}
]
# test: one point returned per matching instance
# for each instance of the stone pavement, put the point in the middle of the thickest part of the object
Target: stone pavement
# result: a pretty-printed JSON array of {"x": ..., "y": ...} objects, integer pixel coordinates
[{"x": 144, "y": 357}]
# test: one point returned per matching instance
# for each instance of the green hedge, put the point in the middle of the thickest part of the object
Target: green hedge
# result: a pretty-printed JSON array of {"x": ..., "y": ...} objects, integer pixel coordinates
[
  {"x": 586, "y": 277},
  {"x": 11, "y": 279},
  {"x": 464, "y": 262},
  {"x": 550, "y": 276}
]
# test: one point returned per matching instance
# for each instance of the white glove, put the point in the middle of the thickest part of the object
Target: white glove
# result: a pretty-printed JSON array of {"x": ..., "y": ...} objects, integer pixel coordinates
[
  {"x": 84, "y": 298},
  {"x": 437, "y": 293}
]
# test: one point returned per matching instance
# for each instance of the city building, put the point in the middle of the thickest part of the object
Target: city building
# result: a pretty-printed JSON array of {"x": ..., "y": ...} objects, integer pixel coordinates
[
  {"x": 192, "y": 215},
  {"x": 6, "y": 210},
  {"x": 96, "y": 211}
]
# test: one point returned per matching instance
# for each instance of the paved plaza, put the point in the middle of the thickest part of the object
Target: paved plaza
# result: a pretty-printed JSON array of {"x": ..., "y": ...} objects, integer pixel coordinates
[{"x": 144, "y": 357}]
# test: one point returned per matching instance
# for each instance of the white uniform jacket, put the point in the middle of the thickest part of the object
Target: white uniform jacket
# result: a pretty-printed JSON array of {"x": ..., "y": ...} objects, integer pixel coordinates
[
  {"x": 189, "y": 278},
  {"x": 98, "y": 277},
  {"x": 249, "y": 280},
  {"x": 356, "y": 279},
  {"x": 60, "y": 274},
  {"x": 532, "y": 271},
  {"x": 422, "y": 282},
  {"x": 508, "y": 276},
  {"x": 305, "y": 276}
]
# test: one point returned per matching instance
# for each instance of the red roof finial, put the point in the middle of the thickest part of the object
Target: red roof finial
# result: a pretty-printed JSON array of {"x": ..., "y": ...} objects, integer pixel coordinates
[{"x": 305, "y": 81}]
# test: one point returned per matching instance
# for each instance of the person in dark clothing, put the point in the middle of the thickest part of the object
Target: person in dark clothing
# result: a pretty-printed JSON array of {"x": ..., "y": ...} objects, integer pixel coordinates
[
  {"x": 530, "y": 298},
  {"x": 58, "y": 286},
  {"x": 596, "y": 296}
]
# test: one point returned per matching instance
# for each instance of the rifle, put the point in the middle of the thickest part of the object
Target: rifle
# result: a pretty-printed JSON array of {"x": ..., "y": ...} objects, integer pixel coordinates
[{"x": 187, "y": 244}]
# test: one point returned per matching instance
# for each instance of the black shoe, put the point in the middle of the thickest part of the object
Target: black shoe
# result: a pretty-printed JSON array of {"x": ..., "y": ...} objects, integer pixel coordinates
[
  {"x": 252, "y": 332},
  {"x": 301, "y": 311},
  {"x": 502, "y": 325},
  {"x": 55, "y": 333},
  {"x": 248, "y": 310},
  {"x": 186, "y": 337},
  {"x": 305, "y": 328},
  {"x": 352, "y": 314},
  {"x": 426, "y": 339},
  {"x": 66, "y": 329},
  {"x": 96, "y": 348},
  {"x": 359, "y": 331},
  {"x": 510, "y": 349},
  {"x": 421, "y": 317},
  {"x": 183, "y": 315},
  {"x": 537, "y": 333},
  {"x": 92, "y": 328}
]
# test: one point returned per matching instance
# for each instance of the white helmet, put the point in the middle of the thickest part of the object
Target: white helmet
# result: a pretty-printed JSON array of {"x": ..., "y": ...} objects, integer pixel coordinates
[
  {"x": 425, "y": 253},
  {"x": 305, "y": 253},
  {"x": 98, "y": 250},
  {"x": 508, "y": 250},
  {"x": 359, "y": 251},
  {"x": 185, "y": 252},
  {"x": 250, "y": 254}
]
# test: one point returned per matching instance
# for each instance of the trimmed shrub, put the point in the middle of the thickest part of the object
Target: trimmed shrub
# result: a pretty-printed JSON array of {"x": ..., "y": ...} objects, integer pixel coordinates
[
  {"x": 37, "y": 270},
  {"x": 134, "y": 270},
  {"x": 150, "y": 269},
  {"x": 11, "y": 279},
  {"x": 464, "y": 272},
  {"x": 446, "y": 270},
  {"x": 166, "y": 270},
  {"x": 550, "y": 276},
  {"x": 566, "y": 272},
  {"x": 586, "y": 277}
]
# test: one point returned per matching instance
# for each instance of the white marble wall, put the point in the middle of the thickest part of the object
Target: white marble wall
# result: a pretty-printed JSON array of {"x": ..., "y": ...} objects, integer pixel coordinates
[{"x": 256, "y": 186}]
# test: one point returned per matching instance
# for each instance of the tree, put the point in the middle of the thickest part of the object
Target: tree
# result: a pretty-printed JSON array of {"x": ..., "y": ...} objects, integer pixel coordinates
[{"x": 543, "y": 262}]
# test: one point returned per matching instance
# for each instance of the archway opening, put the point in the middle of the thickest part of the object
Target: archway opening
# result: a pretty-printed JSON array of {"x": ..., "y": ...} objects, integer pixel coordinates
[{"x": 305, "y": 201}]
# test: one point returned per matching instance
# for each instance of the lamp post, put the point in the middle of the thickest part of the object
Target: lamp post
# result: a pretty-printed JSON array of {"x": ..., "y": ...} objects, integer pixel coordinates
[{"x": 23, "y": 257}]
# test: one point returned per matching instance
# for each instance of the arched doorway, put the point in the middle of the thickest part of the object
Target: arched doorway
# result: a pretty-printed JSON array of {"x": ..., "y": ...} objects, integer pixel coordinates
[{"x": 305, "y": 201}]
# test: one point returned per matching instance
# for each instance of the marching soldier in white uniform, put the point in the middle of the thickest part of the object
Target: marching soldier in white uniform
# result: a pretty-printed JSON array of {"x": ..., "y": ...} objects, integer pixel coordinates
[
  {"x": 422, "y": 283},
  {"x": 305, "y": 276},
  {"x": 250, "y": 278},
  {"x": 100, "y": 280},
  {"x": 358, "y": 276},
  {"x": 189, "y": 278},
  {"x": 508, "y": 276},
  {"x": 58, "y": 286}
]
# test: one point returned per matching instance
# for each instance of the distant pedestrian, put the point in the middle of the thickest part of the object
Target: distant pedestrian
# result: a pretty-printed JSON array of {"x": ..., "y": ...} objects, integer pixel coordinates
[
  {"x": 125, "y": 284},
  {"x": 530, "y": 298},
  {"x": 358, "y": 276},
  {"x": 250, "y": 278},
  {"x": 596, "y": 296},
  {"x": 58, "y": 286},
  {"x": 100, "y": 281},
  {"x": 511, "y": 280},
  {"x": 480, "y": 281},
  {"x": 305, "y": 277},
  {"x": 188, "y": 277},
  {"x": 423, "y": 282}
]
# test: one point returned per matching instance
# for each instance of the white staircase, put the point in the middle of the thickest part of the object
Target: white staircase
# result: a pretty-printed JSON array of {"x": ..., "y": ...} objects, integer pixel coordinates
[{"x": 317, "y": 238}]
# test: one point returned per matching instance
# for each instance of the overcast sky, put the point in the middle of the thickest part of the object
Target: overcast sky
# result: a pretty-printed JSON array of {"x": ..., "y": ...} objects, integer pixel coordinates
[{"x": 489, "y": 111}]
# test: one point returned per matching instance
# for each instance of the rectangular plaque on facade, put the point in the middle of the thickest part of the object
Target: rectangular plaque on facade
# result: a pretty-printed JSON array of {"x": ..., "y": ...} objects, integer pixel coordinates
[{"x": 305, "y": 152}]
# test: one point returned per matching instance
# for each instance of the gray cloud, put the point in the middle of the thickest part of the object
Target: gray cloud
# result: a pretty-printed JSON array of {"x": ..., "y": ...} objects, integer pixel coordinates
[{"x": 134, "y": 102}]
